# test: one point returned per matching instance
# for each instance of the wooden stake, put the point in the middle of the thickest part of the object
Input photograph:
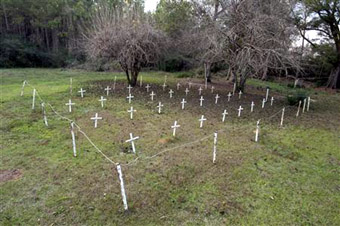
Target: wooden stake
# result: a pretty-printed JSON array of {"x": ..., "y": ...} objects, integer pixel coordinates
[{"x": 122, "y": 188}]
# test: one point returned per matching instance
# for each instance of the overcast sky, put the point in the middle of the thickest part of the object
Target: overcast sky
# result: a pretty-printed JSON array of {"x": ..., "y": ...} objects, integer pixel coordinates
[{"x": 150, "y": 5}]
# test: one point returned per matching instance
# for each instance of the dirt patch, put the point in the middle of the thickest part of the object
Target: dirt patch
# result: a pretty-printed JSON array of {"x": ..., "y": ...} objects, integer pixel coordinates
[{"x": 7, "y": 175}]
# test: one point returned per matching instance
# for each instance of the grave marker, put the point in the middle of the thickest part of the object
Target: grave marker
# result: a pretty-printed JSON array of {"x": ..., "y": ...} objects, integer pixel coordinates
[
  {"x": 283, "y": 114},
  {"x": 82, "y": 91},
  {"x": 122, "y": 189},
  {"x": 132, "y": 141},
  {"x": 152, "y": 95},
  {"x": 164, "y": 86},
  {"x": 131, "y": 111},
  {"x": 308, "y": 103},
  {"x": 73, "y": 140},
  {"x": 239, "y": 94},
  {"x": 159, "y": 106},
  {"x": 33, "y": 100},
  {"x": 186, "y": 91},
  {"x": 70, "y": 105},
  {"x": 22, "y": 88},
  {"x": 252, "y": 106},
  {"x": 257, "y": 131},
  {"x": 263, "y": 102},
  {"x": 183, "y": 103},
  {"x": 178, "y": 85},
  {"x": 212, "y": 89},
  {"x": 240, "y": 109},
  {"x": 267, "y": 94},
  {"x": 174, "y": 127},
  {"x": 129, "y": 88},
  {"x": 216, "y": 98},
  {"x": 44, "y": 113},
  {"x": 304, "y": 105},
  {"x": 114, "y": 83},
  {"x": 171, "y": 92},
  {"x": 190, "y": 85},
  {"x": 201, "y": 101},
  {"x": 215, "y": 147},
  {"x": 129, "y": 98},
  {"x": 107, "y": 89},
  {"x": 200, "y": 90},
  {"x": 271, "y": 101},
  {"x": 234, "y": 89},
  {"x": 96, "y": 118},
  {"x": 147, "y": 88},
  {"x": 224, "y": 114},
  {"x": 229, "y": 95},
  {"x": 102, "y": 99},
  {"x": 298, "y": 111},
  {"x": 201, "y": 120}
]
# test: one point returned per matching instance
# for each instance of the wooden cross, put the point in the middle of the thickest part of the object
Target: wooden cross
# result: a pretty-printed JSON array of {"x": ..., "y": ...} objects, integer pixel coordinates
[
  {"x": 183, "y": 103},
  {"x": 171, "y": 92},
  {"x": 229, "y": 95},
  {"x": 96, "y": 118},
  {"x": 178, "y": 85},
  {"x": 131, "y": 111},
  {"x": 70, "y": 105},
  {"x": 224, "y": 114},
  {"x": 164, "y": 86},
  {"x": 216, "y": 98},
  {"x": 200, "y": 90},
  {"x": 159, "y": 106},
  {"x": 240, "y": 109},
  {"x": 147, "y": 88},
  {"x": 212, "y": 89},
  {"x": 271, "y": 101},
  {"x": 102, "y": 99},
  {"x": 107, "y": 89},
  {"x": 263, "y": 102},
  {"x": 174, "y": 127},
  {"x": 186, "y": 91},
  {"x": 129, "y": 88},
  {"x": 201, "y": 101},
  {"x": 131, "y": 140},
  {"x": 129, "y": 97},
  {"x": 252, "y": 106},
  {"x": 239, "y": 94},
  {"x": 201, "y": 120},
  {"x": 152, "y": 95},
  {"x": 82, "y": 91}
]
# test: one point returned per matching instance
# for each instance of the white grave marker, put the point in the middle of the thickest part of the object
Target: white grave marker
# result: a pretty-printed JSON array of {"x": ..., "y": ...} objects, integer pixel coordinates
[
  {"x": 267, "y": 94},
  {"x": 129, "y": 88},
  {"x": 200, "y": 90},
  {"x": 263, "y": 102},
  {"x": 183, "y": 103},
  {"x": 212, "y": 89},
  {"x": 224, "y": 114},
  {"x": 186, "y": 91},
  {"x": 107, "y": 89},
  {"x": 147, "y": 88},
  {"x": 178, "y": 85},
  {"x": 239, "y": 94},
  {"x": 298, "y": 111},
  {"x": 190, "y": 83},
  {"x": 304, "y": 105},
  {"x": 152, "y": 95},
  {"x": 201, "y": 101},
  {"x": 82, "y": 91},
  {"x": 44, "y": 113},
  {"x": 252, "y": 106},
  {"x": 257, "y": 131},
  {"x": 164, "y": 86},
  {"x": 240, "y": 109},
  {"x": 132, "y": 141},
  {"x": 216, "y": 98},
  {"x": 102, "y": 99},
  {"x": 201, "y": 120},
  {"x": 33, "y": 100},
  {"x": 73, "y": 140},
  {"x": 282, "y": 116},
  {"x": 308, "y": 103},
  {"x": 174, "y": 127},
  {"x": 215, "y": 147},
  {"x": 22, "y": 88},
  {"x": 171, "y": 92},
  {"x": 130, "y": 97},
  {"x": 229, "y": 95},
  {"x": 131, "y": 111},
  {"x": 70, "y": 105},
  {"x": 159, "y": 106},
  {"x": 271, "y": 101},
  {"x": 96, "y": 118},
  {"x": 122, "y": 189}
]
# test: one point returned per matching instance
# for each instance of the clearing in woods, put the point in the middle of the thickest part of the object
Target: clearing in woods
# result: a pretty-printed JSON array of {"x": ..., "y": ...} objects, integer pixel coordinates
[{"x": 291, "y": 176}]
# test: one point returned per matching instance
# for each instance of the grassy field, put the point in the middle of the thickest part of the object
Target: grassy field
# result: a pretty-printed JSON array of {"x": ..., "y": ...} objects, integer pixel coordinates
[{"x": 290, "y": 177}]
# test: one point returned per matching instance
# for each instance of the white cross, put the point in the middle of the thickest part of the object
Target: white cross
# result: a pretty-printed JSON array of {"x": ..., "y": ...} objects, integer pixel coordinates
[
  {"x": 190, "y": 85},
  {"x": 174, "y": 127},
  {"x": 164, "y": 85},
  {"x": 263, "y": 102},
  {"x": 131, "y": 140},
  {"x": 229, "y": 95},
  {"x": 200, "y": 90},
  {"x": 178, "y": 85},
  {"x": 183, "y": 103},
  {"x": 131, "y": 111},
  {"x": 272, "y": 101},
  {"x": 202, "y": 119},
  {"x": 252, "y": 106},
  {"x": 147, "y": 87},
  {"x": 224, "y": 114},
  {"x": 186, "y": 91},
  {"x": 212, "y": 89},
  {"x": 152, "y": 95},
  {"x": 201, "y": 101},
  {"x": 216, "y": 98},
  {"x": 81, "y": 91},
  {"x": 129, "y": 97},
  {"x": 102, "y": 99},
  {"x": 96, "y": 118},
  {"x": 240, "y": 109},
  {"x": 70, "y": 105},
  {"x": 129, "y": 88},
  {"x": 171, "y": 92},
  {"x": 107, "y": 89},
  {"x": 239, "y": 94},
  {"x": 159, "y": 106}
]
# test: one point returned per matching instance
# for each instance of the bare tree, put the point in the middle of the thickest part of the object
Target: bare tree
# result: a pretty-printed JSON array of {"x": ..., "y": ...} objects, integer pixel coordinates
[{"x": 125, "y": 36}]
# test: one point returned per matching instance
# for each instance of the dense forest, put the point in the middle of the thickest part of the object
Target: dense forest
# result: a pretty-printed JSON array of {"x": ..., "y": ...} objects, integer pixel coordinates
[{"x": 234, "y": 38}]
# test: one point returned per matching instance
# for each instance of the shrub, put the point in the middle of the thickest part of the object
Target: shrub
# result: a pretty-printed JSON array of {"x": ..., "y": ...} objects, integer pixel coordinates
[{"x": 294, "y": 98}]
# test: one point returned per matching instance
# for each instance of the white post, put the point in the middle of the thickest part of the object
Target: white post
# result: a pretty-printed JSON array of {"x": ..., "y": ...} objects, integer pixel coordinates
[
  {"x": 304, "y": 105},
  {"x": 73, "y": 140},
  {"x": 298, "y": 111},
  {"x": 267, "y": 94},
  {"x": 70, "y": 86},
  {"x": 282, "y": 116},
  {"x": 141, "y": 81},
  {"x": 33, "y": 100},
  {"x": 178, "y": 85},
  {"x": 263, "y": 102},
  {"x": 272, "y": 101},
  {"x": 44, "y": 113},
  {"x": 239, "y": 94},
  {"x": 122, "y": 188},
  {"x": 257, "y": 131},
  {"x": 114, "y": 83},
  {"x": 234, "y": 90},
  {"x": 22, "y": 88},
  {"x": 252, "y": 106},
  {"x": 308, "y": 103},
  {"x": 212, "y": 89},
  {"x": 215, "y": 147}
]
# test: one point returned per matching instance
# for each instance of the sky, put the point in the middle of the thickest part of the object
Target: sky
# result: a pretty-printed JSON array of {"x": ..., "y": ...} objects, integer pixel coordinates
[{"x": 150, "y": 5}]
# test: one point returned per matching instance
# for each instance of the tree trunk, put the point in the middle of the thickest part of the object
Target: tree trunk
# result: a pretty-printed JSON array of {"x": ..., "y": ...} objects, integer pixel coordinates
[
  {"x": 334, "y": 78},
  {"x": 242, "y": 83},
  {"x": 207, "y": 71},
  {"x": 265, "y": 74},
  {"x": 133, "y": 79}
]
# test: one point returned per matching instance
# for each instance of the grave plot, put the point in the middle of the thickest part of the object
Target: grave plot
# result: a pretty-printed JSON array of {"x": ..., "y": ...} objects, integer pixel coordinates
[{"x": 164, "y": 148}]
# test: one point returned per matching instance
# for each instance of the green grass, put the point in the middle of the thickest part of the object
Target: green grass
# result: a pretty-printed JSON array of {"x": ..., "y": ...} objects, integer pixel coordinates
[{"x": 291, "y": 177}]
